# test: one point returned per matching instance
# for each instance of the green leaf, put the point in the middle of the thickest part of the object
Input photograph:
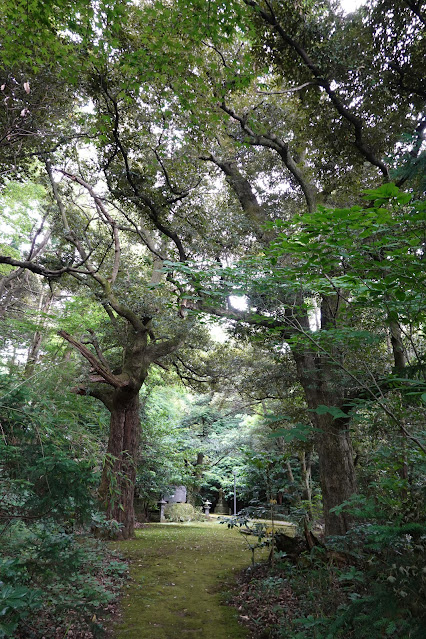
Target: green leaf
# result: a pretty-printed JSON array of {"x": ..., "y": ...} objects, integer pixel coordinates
[{"x": 331, "y": 410}]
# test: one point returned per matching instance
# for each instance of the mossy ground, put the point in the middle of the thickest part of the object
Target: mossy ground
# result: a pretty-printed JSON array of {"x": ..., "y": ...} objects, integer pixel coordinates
[{"x": 178, "y": 575}]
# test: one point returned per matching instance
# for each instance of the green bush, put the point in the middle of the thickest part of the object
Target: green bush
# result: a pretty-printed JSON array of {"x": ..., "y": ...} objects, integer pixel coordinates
[
  {"x": 182, "y": 512},
  {"x": 63, "y": 578},
  {"x": 52, "y": 573}
]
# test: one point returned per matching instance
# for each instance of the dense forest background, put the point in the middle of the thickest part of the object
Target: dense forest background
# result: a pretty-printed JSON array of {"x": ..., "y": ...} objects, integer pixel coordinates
[{"x": 212, "y": 263}]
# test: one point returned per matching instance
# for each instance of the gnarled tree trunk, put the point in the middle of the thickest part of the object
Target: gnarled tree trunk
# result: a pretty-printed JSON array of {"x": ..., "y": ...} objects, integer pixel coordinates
[{"x": 119, "y": 471}]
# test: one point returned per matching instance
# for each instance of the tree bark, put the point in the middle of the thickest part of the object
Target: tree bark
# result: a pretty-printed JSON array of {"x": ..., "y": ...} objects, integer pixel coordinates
[
  {"x": 119, "y": 473},
  {"x": 305, "y": 469},
  {"x": 332, "y": 438},
  {"x": 397, "y": 346},
  {"x": 33, "y": 353},
  {"x": 337, "y": 472},
  {"x": 289, "y": 470}
]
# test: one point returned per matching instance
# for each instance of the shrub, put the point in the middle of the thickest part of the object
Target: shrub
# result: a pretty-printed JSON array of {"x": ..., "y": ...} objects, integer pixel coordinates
[
  {"x": 182, "y": 512},
  {"x": 49, "y": 578},
  {"x": 52, "y": 574}
]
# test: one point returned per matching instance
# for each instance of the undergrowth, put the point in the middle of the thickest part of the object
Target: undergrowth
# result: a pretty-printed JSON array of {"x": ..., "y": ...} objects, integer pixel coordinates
[
  {"x": 55, "y": 579},
  {"x": 53, "y": 583},
  {"x": 369, "y": 584}
]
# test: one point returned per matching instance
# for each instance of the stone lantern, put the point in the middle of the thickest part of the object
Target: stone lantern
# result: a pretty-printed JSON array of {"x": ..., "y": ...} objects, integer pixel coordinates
[
  {"x": 161, "y": 504},
  {"x": 207, "y": 505}
]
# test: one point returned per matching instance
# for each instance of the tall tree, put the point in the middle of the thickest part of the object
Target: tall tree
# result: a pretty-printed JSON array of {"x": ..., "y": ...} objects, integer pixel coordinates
[
  {"x": 276, "y": 126},
  {"x": 183, "y": 99}
]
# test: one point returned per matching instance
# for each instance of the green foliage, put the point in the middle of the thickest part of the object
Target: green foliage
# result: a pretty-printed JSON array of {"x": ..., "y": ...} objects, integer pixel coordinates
[
  {"x": 386, "y": 594},
  {"x": 40, "y": 479},
  {"x": 371, "y": 582},
  {"x": 180, "y": 513},
  {"x": 369, "y": 252},
  {"x": 16, "y": 603},
  {"x": 256, "y": 534},
  {"x": 171, "y": 83},
  {"x": 162, "y": 455},
  {"x": 48, "y": 572},
  {"x": 55, "y": 578}
]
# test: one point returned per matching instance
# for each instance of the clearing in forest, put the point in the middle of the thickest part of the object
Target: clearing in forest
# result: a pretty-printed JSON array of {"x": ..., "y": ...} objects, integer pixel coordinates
[{"x": 178, "y": 575}]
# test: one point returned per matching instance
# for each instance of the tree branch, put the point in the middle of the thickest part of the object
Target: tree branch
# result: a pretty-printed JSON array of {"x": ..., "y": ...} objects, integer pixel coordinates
[
  {"x": 102, "y": 209},
  {"x": 104, "y": 372},
  {"x": 356, "y": 122},
  {"x": 140, "y": 198},
  {"x": 242, "y": 189},
  {"x": 271, "y": 141},
  {"x": 41, "y": 270}
]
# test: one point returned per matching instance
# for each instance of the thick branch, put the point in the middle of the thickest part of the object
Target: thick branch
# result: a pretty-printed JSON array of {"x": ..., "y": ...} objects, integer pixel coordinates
[
  {"x": 94, "y": 341},
  {"x": 157, "y": 351},
  {"x": 103, "y": 394},
  {"x": 289, "y": 90},
  {"x": 271, "y": 141},
  {"x": 109, "y": 378},
  {"x": 253, "y": 319},
  {"x": 41, "y": 270},
  {"x": 123, "y": 311},
  {"x": 242, "y": 189}
]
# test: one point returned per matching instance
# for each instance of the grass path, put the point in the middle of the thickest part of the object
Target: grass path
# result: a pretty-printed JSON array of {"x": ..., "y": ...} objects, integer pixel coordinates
[{"x": 178, "y": 573}]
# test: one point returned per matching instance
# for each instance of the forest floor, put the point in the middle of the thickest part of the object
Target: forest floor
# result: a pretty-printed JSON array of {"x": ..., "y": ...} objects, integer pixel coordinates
[{"x": 178, "y": 576}]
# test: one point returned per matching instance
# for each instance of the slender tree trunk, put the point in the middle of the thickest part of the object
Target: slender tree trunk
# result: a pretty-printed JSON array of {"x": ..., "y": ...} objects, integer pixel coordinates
[
  {"x": 194, "y": 488},
  {"x": 400, "y": 363},
  {"x": 33, "y": 353},
  {"x": 305, "y": 468},
  {"x": 289, "y": 471},
  {"x": 119, "y": 473},
  {"x": 397, "y": 346}
]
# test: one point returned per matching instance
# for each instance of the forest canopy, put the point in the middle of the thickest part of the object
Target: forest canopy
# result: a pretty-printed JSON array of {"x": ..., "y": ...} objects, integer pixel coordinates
[{"x": 168, "y": 168}]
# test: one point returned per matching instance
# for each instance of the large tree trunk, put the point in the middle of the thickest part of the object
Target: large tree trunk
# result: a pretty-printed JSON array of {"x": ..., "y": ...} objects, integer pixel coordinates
[
  {"x": 120, "y": 394},
  {"x": 119, "y": 472},
  {"x": 332, "y": 438},
  {"x": 337, "y": 471}
]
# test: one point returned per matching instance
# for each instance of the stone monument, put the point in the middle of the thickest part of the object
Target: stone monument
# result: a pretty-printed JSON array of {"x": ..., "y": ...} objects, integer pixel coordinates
[
  {"x": 221, "y": 507},
  {"x": 178, "y": 496}
]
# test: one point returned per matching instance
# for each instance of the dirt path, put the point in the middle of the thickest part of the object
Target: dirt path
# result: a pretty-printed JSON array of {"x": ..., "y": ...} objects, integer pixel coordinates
[{"x": 178, "y": 573}]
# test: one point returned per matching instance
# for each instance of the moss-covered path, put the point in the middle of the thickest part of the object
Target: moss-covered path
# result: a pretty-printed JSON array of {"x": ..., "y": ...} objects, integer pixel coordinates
[{"x": 178, "y": 573}]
